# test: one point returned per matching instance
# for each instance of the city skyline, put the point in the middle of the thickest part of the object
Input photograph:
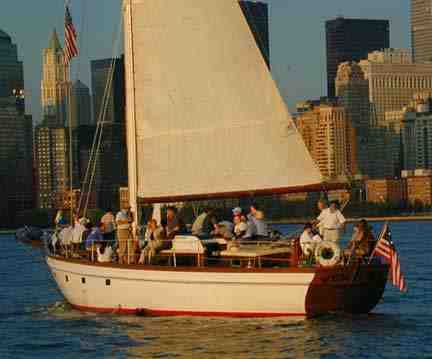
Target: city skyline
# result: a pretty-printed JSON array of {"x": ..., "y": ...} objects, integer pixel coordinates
[{"x": 298, "y": 64}]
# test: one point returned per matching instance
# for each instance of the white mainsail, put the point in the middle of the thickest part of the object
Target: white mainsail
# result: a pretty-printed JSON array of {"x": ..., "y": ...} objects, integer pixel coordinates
[{"x": 204, "y": 115}]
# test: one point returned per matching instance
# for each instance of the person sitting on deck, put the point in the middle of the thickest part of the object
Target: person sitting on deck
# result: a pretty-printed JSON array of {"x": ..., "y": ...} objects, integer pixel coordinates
[
  {"x": 309, "y": 240},
  {"x": 202, "y": 225},
  {"x": 257, "y": 218},
  {"x": 94, "y": 236},
  {"x": 222, "y": 229},
  {"x": 362, "y": 242},
  {"x": 251, "y": 231},
  {"x": 156, "y": 236},
  {"x": 332, "y": 222},
  {"x": 109, "y": 225},
  {"x": 78, "y": 230},
  {"x": 240, "y": 227},
  {"x": 174, "y": 224},
  {"x": 94, "y": 240}
]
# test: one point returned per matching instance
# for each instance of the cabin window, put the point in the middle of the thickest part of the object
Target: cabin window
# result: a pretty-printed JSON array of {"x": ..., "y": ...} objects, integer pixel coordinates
[
  {"x": 107, "y": 281},
  {"x": 83, "y": 280},
  {"x": 67, "y": 278}
]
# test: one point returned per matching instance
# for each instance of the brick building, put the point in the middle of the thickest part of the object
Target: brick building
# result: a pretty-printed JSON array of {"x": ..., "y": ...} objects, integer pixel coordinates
[
  {"x": 419, "y": 189},
  {"x": 386, "y": 191}
]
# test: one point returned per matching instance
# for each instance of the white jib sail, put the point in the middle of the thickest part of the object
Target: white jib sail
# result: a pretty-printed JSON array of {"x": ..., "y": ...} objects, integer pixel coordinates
[{"x": 204, "y": 114}]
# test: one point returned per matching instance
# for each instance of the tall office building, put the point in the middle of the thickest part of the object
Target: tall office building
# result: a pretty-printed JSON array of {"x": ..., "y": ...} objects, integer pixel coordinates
[
  {"x": 329, "y": 137},
  {"x": 52, "y": 165},
  {"x": 16, "y": 145},
  {"x": 100, "y": 73},
  {"x": 421, "y": 30},
  {"x": 16, "y": 161},
  {"x": 417, "y": 135},
  {"x": 112, "y": 159},
  {"x": 80, "y": 105},
  {"x": 392, "y": 81},
  {"x": 54, "y": 84},
  {"x": 352, "y": 89},
  {"x": 352, "y": 40},
  {"x": 257, "y": 16},
  {"x": 11, "y": 69}
]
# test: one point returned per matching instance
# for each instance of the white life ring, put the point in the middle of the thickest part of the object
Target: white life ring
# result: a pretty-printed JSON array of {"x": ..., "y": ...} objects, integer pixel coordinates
[{"x": 327, "y": 253}]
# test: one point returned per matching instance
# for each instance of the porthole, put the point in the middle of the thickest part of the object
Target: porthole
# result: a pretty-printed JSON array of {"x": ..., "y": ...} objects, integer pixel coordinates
[
  {"x": 83, "y": 280},
  {"x": 107, "y": 281}
]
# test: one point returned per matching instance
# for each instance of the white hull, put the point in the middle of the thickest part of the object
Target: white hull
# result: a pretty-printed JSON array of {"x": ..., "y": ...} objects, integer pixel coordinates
[{"x": 173, "y": 291}]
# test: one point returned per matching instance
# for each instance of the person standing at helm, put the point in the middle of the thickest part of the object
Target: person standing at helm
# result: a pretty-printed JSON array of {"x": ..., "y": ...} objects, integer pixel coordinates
[
  {"x": 322, "y": 206},
  {"x": 124, "y": 235},
  {"x": 331, "y": 222}
]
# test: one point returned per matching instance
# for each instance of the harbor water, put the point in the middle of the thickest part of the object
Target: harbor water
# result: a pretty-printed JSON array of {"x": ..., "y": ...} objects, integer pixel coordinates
[{"x": 35, "y": 322}]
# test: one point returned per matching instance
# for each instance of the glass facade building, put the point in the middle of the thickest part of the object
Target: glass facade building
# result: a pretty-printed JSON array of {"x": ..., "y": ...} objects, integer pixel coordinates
[{"x": 352, "y": 40}]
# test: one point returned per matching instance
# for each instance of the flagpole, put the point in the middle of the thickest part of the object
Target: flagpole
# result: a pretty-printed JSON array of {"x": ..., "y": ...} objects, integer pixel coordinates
[
  {"x": 69, "y": 105},
  {"x": 376, "y": 243}
]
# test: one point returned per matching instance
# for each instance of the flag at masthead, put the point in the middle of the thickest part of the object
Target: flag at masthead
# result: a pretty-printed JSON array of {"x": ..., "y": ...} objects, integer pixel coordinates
[{"x": 71, "y": 43}]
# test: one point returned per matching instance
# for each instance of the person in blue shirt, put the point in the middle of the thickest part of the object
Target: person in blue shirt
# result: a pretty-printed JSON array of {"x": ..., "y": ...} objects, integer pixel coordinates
[{"x": 94, "y": 236}]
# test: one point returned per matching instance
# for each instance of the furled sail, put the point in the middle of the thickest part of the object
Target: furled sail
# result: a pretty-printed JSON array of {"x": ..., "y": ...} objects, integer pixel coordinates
[{"x": 205, "y": 118}]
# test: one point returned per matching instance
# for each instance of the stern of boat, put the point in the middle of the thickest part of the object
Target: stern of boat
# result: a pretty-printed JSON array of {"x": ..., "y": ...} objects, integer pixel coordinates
[{"x": 356, "y": 289}]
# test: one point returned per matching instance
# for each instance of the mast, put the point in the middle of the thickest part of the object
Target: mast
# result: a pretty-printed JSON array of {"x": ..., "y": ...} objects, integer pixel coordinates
[
  {"x": 69, "y": 95},
  {"x": 70, "y": 51},
  {"x": 130, "y": 108}
]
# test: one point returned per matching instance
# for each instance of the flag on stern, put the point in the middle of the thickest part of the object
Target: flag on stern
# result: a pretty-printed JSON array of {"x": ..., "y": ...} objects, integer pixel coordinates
[
  {"x": 386, "y": 249},
  {"x": 71, "y": 43}
]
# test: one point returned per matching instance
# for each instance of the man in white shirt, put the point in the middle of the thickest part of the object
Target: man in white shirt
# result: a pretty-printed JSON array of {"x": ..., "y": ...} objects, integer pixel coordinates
[
  {"x": 322, "y": 206},
  {"x": 331, "y": 222}
]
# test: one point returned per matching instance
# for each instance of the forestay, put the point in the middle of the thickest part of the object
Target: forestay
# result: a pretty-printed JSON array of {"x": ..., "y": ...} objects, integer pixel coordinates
[{"x": 205, "y": 117}]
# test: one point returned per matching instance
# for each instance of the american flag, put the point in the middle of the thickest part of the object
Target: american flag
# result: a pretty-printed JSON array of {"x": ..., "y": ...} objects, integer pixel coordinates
[
  {"x": 386, "y": 249},
  {"x": 71, "y": 44}
]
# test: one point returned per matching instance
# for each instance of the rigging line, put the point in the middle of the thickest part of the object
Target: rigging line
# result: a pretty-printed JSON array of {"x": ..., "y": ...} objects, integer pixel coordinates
[
  {"x": 98, "y": 132},
  {"x": 108, "y": 89},
  {"x": 103, "y": 116}
]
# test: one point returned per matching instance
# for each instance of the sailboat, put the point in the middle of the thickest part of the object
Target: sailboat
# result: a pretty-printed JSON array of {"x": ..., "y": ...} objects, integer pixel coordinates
[{"x": 205, "y": 120}]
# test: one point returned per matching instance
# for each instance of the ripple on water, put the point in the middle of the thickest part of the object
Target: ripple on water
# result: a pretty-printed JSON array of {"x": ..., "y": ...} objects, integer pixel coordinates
[{"x": 36, "y": 323}]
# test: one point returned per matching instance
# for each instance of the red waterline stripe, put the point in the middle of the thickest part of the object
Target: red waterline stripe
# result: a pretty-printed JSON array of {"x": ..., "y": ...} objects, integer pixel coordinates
[{"x": 174, "y": 313}]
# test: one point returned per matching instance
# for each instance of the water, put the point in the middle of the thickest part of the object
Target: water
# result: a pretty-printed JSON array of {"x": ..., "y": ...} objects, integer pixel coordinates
[{"x": 36, "y": 323}]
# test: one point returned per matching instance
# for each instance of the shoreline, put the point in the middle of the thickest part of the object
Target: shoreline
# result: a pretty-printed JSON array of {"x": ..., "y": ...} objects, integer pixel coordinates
[{"x": 355, "y": 219}]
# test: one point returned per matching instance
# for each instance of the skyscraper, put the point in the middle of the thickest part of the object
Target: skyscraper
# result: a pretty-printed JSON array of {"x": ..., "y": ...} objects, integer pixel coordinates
[
  {"x": 421, "y": 30},
  {"x": 112, "y": 159},
  {"x": 329, "y": 137},
  {"x": 100, "y": 73},
  {"x": 392, "y": 81},
  {"x": 16, "y": 161},
  {"x": 352, "y": 89},
  {"x": 80, "y": 105},
  {"x": 52, "y": 162},
  {"x": 16, "y": 132},
  {"x": 11, "y": 70},
  {"x": 352, "y": 40},
  {"x": 257, "y": 16},
  {"x": 54, "y": 85}
]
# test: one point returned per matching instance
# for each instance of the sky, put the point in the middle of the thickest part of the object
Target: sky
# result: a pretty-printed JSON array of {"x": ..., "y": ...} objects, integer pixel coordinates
[{"x": 297, "y": 37}]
